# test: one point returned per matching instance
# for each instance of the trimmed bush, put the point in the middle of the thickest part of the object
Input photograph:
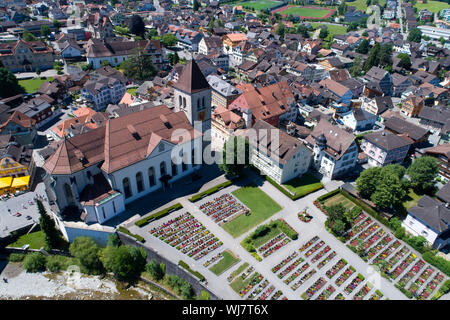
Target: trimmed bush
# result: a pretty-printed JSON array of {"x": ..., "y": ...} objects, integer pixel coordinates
[
  {"x": 438, "y": 262},
  {"x": 287, "y": 229},
  {"x": 288, "y": 193},
  {"x": 136, "y": 236},
  {"x": 56, "y": 263},
  {"x": 256, "y": 256},
  {"x": 208, "y": 192},
  {"x": 158, "y": 215},
  {"x": 184, "y": 265},
  {"x": 16, "y": 257},
  {"x": 34, "y": 262},
  {"x": 328, "y": 195}
]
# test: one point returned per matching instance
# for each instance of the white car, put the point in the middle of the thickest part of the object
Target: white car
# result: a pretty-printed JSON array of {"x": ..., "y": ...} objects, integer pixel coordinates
[{"x": 49, "y": 137}]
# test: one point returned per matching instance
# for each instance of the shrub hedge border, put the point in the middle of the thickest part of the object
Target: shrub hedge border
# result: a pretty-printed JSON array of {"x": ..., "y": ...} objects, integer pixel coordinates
[
  {"x": 287, "y": 193},
  {"x": 158, "y": 215},
  {"x": 210, "y": 191},
  {"x": 184, "y": 265},
  {"x": 136, "y": 236}
]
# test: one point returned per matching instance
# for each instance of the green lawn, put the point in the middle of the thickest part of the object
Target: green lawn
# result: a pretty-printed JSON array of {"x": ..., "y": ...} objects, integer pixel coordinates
[
  {"x": 132, "y": 91},
  {"x": 304, "y": 185},
  {"x": 238, "y": 284},
  {"x": 433, "y": 6},
  {"x": 32, "y": 85},
  {"x": 239, "y": 270},
  {"x": 259, "y": 5},
  {"x": 269, "y": 235},
  {"x": 305, "y": 12},
  {"x": 36, "y": 240},
  {"x": 411, "y": 199},
  {"x": 339, "y": 198},
  {"x": 331, "y": 28},
  {"x": 228, "y": 260},
  {"x": 261, "y": 208},
  {"x": 359, "y": 4}
]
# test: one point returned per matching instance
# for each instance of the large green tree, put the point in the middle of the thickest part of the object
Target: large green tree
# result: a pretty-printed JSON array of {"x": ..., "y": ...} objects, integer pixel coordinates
[
  {"x": 405, "y": 60},
  {"x": 45, "y": 31},
  {"x": 389, "y": 190},
  {"x": 367, "y": 181},
  {"x": 422, "y": 173},
  {"x": 374, "y": 57},
  {"x": 28, "y": 36},
  {"x": 156, "y": 270},
  {"x": 386, "y": 55},
  {"x": 323, "y": 33},
  {"x": 126, "y": 262},
  {"x": 138, "y": 66},
  {"x": 136, "y": 25},
  {"x": 87, "y": 251},
  {"x": 169, "y": 40},
  {"x": 415, "y": 35},
  {"x": 52, "y": 236},
  {"x": 363, "y": 47},
  {"x": 235, "y": 155},
  {"x": 10, "y": 85}
]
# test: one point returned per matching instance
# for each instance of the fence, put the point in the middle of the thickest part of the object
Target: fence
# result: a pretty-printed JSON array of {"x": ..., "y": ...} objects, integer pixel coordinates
[{"x": 171, "y": 267}]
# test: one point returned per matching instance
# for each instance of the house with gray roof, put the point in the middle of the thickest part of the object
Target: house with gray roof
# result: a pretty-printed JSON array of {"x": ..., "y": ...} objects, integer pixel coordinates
[
  {"x": 430, "y": 219},
  {"x": 222, "y": 92}
]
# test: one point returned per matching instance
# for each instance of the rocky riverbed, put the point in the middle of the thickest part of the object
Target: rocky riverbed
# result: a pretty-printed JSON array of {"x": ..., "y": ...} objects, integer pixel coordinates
[{"x": 67, "y": 285}]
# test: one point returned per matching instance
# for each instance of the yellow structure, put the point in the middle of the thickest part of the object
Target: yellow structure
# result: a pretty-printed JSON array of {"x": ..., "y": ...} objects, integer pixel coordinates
[
  {"x": 20, "y": 183},
  {"x": 5, "y": 184}
]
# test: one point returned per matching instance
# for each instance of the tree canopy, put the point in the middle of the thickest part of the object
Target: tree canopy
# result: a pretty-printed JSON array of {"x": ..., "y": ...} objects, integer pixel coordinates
[
  {"x": 235, "y": 156},
  {"x": 53, "y": 237},
  {"x": 363, "y": 47},
  {"x": 374, "y": 57},
  {"x": 126, "y": 262},
  {"x": 28, "y": 36},
  {"x": 422, "y": 172},
  {"x": 169, "y": 40},
  {"x": 136, "y": 25},
  {"x": 87, "y": 251},
  {"x": 405, "y": 60},
  {"x": 415, "y": 35},
  {"x": 138, "y": 66},
  {"x": 10, "y": 85}
]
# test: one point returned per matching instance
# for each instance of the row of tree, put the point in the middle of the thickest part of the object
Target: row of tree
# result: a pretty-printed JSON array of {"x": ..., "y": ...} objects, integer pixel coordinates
[{"x": 387, "y": 187}]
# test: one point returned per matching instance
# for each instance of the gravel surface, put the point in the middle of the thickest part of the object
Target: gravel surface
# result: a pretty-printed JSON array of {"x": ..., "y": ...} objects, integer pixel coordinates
[{"x": 64, "y": 285}]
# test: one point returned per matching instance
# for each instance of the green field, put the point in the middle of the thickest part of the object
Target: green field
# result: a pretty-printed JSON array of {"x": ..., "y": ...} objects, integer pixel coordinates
[
  {"x": 304, "y": 185},
  {"x": 339, "y": 198},
  {"x": 32, "y": 85},
  {"x": 261, "y": 208},
  {"x": 36, "y": 240},
  {"x": 433, "y": 6},
  {"x": 305, "y": 12},
  {"x": 238, "y": 284},
  {"x": 132, "y": 91},
  {"x": 359, "y": 4},
  {"x": 239, "y": 270},
  {"x": 228, "y": 260},
  {"x": 331, "y": 28},
  {"x": 259, "y": 5}
]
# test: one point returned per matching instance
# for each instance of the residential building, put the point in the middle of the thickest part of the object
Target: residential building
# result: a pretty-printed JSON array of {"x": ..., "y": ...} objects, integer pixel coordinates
[
  {"x": 335, "y": 150},
  {"x": 412, "y": 105},
  {"x": 399, "y": 126},
  {"x": 377, "y": 105},
  {"x": 273, "y": 103},
  {"x": 442, "y": 154},
  {"x": 224, "y": 123},
  {"x": 103, "y": 91},
  {"x": 39, "y": 109},
  {"x": 115, "y": 52},
  {"x": 20, "y": 127},
  {"x": 231, "y": 40},
  {"x": 435, "y": 33},
  {"x": 342, "y": 94},
  {"x": 22, "y": 56},
  {"x": 222, "y": 92},
  {"x": 430, "y": 219},
  {"x": 99, "y": 26},
  {"x": 359, "y": 119},
  {"x": 187, "y": 39},
  {"x": 435, "y": 118},
  {"x": 384, "y": 147},
  {"x": 380, "y": 77},
  {"x": 208, "y": 45},
  {"x": 277, "y": 154}
]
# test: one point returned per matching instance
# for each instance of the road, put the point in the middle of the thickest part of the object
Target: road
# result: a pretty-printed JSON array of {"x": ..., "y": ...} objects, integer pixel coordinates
[
  {"x": 400, "y": 18},
  {"x": 374, "y": 20}
]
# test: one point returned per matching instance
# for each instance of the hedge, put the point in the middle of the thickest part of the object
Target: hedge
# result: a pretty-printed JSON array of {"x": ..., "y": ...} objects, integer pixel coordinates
[
  {"x": 288, "y": 194},
  {"x": 438, "y": 262},
  {"x": 328, "y": 195},
  {"x": 287, "y": 229},
  {"x": 404, "y": 291},
  {"x": 158, "y": 215},
  {"x": 210, "y": 191},
  {"x": 136, "y": 236},
  {"x": 184, "y": 265}
]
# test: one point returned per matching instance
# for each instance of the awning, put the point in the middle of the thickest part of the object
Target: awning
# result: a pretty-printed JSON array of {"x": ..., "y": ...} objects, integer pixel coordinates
[
  {"x": 20, "y": 182},
  {"x": 5, "y": 182}
]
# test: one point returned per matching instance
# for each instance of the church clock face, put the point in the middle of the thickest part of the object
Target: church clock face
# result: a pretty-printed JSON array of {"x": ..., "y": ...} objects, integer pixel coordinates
[{"x": 201, "y": 115}]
